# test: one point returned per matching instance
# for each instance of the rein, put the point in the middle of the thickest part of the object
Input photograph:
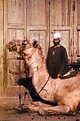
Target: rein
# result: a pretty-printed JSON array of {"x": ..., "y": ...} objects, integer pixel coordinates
[{"x": 44, "y": 85}]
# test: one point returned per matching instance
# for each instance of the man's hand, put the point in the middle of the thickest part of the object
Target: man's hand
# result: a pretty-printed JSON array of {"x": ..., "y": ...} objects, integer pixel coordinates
[{"x": 58, "y": 76}]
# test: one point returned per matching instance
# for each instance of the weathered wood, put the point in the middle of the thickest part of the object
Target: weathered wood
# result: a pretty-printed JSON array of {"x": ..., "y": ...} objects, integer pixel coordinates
[
  {"x": 40, "y": 19},
  {"x": 1, "y": 47}
]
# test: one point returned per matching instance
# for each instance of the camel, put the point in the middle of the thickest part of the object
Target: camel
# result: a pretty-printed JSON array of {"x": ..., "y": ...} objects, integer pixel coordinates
[{"x": 65, "y": 93}]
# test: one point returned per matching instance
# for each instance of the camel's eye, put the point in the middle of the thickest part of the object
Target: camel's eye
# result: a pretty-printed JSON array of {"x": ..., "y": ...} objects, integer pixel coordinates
[
  {"x": 24, "y": 42},
  {"x": 35, "y": 44}
]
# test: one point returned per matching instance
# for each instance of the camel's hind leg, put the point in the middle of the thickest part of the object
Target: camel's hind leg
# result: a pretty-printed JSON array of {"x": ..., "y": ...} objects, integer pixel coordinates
[{"x": 54, "y": 110}]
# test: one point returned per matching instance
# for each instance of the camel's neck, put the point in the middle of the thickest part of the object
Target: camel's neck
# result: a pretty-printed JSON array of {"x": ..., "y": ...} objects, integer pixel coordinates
[
  {"x": 40, "y": 76},
  {"x": 38, "y": 67},
  {"x": 39, "y": 71}
]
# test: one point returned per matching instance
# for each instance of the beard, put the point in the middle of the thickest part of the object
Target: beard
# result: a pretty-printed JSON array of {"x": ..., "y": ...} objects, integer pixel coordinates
[{"x": 56, "y": 43}]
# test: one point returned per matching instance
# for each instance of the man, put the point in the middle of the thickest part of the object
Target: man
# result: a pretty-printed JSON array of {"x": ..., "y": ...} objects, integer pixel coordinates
[{"x": 56, "y": 58}]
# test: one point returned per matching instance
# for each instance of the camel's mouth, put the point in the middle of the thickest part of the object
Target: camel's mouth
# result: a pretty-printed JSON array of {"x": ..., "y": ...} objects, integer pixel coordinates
[{"x": 11, "y": 46}]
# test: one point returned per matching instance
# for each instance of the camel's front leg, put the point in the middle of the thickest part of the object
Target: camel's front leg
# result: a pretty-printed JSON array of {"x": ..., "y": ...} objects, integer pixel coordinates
[{"x": 54, "y": 110}]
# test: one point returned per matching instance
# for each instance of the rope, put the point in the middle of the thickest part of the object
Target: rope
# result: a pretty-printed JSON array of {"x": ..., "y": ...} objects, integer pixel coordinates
[{"x": 44, "y": 85}]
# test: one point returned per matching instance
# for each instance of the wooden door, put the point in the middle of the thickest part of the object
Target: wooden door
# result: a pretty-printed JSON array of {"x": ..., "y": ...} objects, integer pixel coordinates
[
  {"x": 61, "y": 20},
  {"x": 22, "y": 19},
  {"x": 36, "y": 21},
  {"x": 14, "y": 28},
  {"x": 64, "y": 17},
  {"x": 39, "y": 19}
]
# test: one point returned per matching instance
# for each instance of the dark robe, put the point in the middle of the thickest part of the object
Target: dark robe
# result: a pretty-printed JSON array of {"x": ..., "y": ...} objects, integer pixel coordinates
[{"x": 56, "y": 60}]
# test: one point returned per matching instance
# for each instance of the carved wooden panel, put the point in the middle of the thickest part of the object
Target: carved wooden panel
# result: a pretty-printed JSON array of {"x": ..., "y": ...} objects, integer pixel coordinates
[
  {"x": 78, "y": 27},
  {"x": 40, "y": 36},
  {"x": 16, "y": 70},
  {"x": 36, "y": 12},
  {"x": 78, "y": 12},
  {"x": 78, "y": 43},
  {"x": 15, "y": 11},
  {"x": 60, "y": 12}
]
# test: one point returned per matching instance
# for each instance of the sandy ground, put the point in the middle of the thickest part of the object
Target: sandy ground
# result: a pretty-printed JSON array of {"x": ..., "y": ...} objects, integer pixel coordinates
[{"x": 17, "y": 115}]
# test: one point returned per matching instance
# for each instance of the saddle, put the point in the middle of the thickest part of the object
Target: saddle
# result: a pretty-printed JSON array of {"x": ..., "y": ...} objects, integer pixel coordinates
[{"x": 72, "y": 70}]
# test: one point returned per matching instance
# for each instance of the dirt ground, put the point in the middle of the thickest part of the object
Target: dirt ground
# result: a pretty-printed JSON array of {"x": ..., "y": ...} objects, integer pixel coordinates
[
  {"x": 18, "y": 115},
  {"x": 9, "y": 111}
]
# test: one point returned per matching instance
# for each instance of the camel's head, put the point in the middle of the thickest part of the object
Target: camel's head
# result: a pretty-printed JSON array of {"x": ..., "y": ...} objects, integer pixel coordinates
[
  {"x": 30, "y": 51},
  {"x": 16, "y": 45},
  {"x": 20, "y": 45}
]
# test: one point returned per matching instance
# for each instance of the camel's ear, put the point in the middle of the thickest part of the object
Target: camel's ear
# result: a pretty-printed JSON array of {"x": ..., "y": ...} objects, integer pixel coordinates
[
  {"x": 35, "y": 44},
  {"x": 24, "y": 42}
]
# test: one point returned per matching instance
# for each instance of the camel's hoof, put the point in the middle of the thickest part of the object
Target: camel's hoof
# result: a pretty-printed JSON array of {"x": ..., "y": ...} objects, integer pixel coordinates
[{"x": 41, "y": 112}]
